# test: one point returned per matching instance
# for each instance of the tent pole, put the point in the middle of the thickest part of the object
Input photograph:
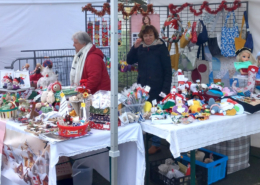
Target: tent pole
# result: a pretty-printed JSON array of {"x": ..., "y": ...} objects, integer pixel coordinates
[{"x": 114, "y": 152}]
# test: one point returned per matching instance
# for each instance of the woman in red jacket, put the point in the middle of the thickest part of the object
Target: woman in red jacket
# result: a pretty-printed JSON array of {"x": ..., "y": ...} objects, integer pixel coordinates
[{"x": 88, "y": 64}]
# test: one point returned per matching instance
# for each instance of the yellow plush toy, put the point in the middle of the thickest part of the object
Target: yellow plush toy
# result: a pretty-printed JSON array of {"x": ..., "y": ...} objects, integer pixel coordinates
[{"x": 195, "y": 107}]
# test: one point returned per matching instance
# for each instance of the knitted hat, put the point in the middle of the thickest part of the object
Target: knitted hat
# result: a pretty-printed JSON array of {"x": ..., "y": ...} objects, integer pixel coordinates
[
  {"x": 181, "y": 78},
  {"x": 16, "y": 80}
]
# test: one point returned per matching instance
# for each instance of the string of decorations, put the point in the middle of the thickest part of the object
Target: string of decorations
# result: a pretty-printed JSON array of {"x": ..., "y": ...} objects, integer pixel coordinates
[
  {"x": 106, "y": 9},
  {"x": 205, "y": 5},
  {"x": 173, "y": 9}
]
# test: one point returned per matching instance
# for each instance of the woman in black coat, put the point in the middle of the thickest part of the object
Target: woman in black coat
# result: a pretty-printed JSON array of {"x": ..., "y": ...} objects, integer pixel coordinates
[
  {"x": 154, "y": 63},
  {"x": 154, "y": 68}
]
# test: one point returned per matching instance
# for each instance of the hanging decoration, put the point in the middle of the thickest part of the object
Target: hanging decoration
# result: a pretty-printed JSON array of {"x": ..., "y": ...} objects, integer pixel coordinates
[
  {"x": 205, "y": 5},
  {"x": 106, "y": 9},
  {"x": 97, "y": 33},
  {"x": 90, "y": 29},
  {"x": 173, "y": 9},
  {"x": 104, "y": 33}
]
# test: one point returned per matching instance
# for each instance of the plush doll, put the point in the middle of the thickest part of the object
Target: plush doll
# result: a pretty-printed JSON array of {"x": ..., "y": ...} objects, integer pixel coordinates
[
  {"x": 48, "y": 77},
  {"x": 16, "y": 83},
  {"x": 169, "y": 100},
  {"x": 214, "y": 107},
  {"x": 196, "y": 107},
  {"x": 252, "y": 70},
  {"x": 244, "y": 60},
  {"x": 227, "y": 91},
  {"x": 179, "y": 108}
]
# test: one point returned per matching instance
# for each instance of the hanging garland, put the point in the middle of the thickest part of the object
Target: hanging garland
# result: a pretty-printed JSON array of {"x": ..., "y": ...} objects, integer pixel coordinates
[
  {"x": 173, "y": 9},
  {"x": 205, "y": 5},
  {"x": 106, "y": 9}
]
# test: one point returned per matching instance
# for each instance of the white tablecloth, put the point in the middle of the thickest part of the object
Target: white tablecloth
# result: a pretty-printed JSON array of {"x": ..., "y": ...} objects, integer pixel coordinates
[
  {"x": 183, "y": 138},
  {"x": 131, "y": 163}
]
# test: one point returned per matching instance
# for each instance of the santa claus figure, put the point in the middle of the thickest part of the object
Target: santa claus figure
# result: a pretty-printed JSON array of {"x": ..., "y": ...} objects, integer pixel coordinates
[{"x": 169, "y": 100}]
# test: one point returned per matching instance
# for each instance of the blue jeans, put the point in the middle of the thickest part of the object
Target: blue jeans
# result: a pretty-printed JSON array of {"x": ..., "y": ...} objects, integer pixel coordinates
[{"x": 156, "y": 141}]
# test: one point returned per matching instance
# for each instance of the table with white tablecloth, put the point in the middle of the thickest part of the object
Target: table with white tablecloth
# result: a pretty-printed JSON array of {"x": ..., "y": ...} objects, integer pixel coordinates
[
  {"x": 131, "y": 162},
  {"x": 184, "y": 138}
]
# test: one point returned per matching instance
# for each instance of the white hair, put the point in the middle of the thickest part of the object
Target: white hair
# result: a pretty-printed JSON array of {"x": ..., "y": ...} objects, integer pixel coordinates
[{"x": 82, "y": 37}]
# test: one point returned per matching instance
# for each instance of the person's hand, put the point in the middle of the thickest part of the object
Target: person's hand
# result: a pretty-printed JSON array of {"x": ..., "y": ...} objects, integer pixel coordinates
[{"x": 137, "y": 42}]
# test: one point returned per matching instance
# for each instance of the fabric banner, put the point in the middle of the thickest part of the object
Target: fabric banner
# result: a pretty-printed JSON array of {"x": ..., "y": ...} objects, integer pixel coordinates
[
  {"x": 90, "y": 29},
  {"x": 2, "y": 134},
  {"x": 104, "y": 33},
  {"x": 25, "y": 160},
  {"x": 96, "y": 40}
]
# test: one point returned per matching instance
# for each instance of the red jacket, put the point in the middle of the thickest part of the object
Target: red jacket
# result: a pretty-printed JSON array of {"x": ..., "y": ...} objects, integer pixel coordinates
[{"x": 95, "y": 71}]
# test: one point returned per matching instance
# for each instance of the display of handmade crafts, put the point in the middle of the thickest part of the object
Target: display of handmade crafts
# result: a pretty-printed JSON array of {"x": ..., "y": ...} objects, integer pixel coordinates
[
  {"x": 214, "y": 107},
  {"x": 36, "y": 74},
  {"x": 244, "y": 60},
  {"x": 169, "y": 100}
]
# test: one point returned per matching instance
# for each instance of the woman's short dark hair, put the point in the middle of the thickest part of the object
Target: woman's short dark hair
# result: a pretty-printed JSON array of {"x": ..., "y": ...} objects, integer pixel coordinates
[
  {"x": 144, "y": 19},
  {"x": 148, "y": 29}
]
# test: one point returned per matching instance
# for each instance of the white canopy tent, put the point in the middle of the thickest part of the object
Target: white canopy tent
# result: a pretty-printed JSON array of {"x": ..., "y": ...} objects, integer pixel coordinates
[{"x": 38, "y": 24}]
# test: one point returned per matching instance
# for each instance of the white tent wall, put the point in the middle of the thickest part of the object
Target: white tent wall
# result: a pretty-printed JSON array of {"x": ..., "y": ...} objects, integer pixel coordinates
[
  {"x": 31, "y": 25},
  {"x": 253, "y": 17}
]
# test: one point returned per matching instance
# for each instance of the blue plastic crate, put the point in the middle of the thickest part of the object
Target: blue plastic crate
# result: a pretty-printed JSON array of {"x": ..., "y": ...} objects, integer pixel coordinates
[{"x": 216, "y": 170}]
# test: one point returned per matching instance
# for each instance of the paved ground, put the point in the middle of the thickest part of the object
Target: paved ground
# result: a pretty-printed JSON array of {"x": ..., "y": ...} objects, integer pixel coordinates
[{"x": 249, "y": 176}]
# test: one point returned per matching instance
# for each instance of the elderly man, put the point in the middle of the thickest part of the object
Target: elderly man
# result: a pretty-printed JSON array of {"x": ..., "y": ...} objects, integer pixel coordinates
[{"x": 88, "y": 64}]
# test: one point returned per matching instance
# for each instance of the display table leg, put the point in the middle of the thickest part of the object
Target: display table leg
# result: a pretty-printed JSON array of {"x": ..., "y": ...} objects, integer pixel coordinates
[
  {"x": 193, "y": 171},
  {"x": 147, "y": 172}
]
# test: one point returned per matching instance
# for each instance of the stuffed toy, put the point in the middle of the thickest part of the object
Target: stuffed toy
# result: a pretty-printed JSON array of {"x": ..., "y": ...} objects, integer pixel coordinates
[
  {"x": 196, "y": 107},
  {"x": 252, "y": 70},
  {"x": 227, "y": 91},
  {"x": 214, "y": 107},
  {"x": 48, "y": 77},
  {"x": 180, "y": 108},
  {"x": 8, "y": 84},
  {"x": 16, "y": 83},
  {"x": 169, "y": 100}
]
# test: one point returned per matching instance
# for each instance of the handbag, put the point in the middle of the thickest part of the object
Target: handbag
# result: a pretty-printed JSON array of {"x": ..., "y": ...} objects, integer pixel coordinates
[
  {"x": 249, "y": 39},
  {"x": 175, "y": 57},
  {"x": 213, "y": 41},
  {"x": 239, "y": 41},
  {"x": 203, "y": 35},
  {"x": 201, "y": 72},
  {"x": 228, "y": 35},
  {"x": 185, "y": 64},
  {"x": 185, "y": 39}
]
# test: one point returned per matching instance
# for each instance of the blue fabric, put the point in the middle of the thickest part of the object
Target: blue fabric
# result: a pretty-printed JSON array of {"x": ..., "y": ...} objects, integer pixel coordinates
[
  {"x": 249, "y": 39},
  {"x": 228, "y": 35},
  {"x": 215, "y": 92},
  {"x": 211, "y": 78},
  {"x": 216, "y": 64},
  {"x": 156, "y": 141}
]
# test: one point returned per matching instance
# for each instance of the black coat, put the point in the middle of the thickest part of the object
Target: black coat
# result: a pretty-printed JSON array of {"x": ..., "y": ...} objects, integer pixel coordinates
[{"x": 154, "y": 68}]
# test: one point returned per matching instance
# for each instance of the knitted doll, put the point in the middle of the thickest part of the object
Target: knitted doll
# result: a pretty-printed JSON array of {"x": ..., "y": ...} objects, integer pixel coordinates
[{"x": 244, "y": 60}]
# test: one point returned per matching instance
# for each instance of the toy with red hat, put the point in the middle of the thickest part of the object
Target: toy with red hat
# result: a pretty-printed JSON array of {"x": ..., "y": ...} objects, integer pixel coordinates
[
  {"x": 16, "y": 83},
  {"x": 180, "y": 108},
  {"x": 169, "y": 100}
]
